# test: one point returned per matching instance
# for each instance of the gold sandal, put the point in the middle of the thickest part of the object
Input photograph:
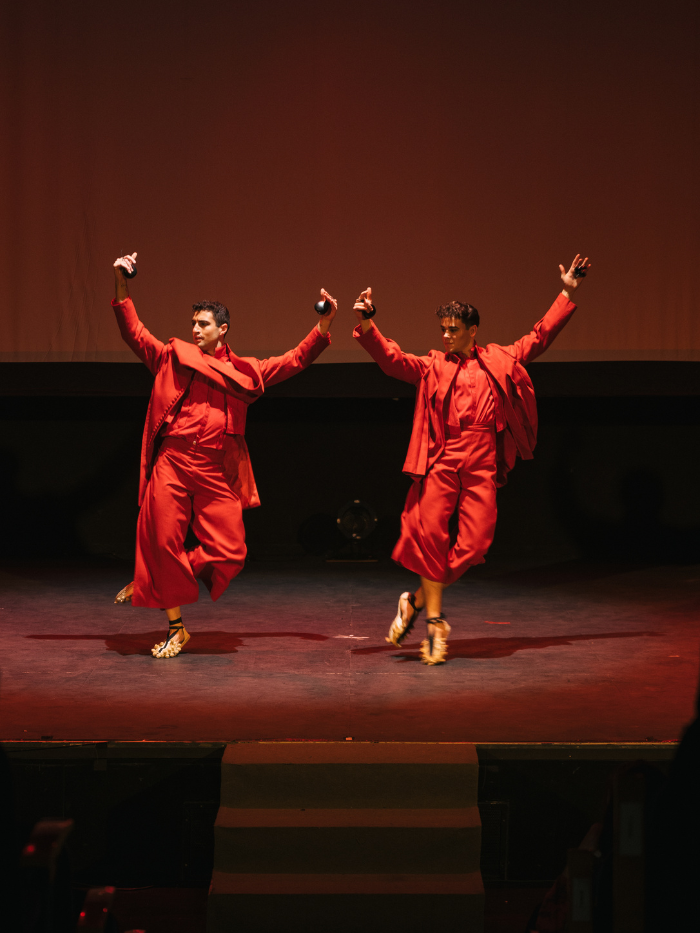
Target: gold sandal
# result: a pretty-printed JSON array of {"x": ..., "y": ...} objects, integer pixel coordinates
[
  {"x": 433, "y": 650},
  {"x": 124, "y": 595},
  {"x": 402, "y": 624},
  {"x": 170, "y": 648}
]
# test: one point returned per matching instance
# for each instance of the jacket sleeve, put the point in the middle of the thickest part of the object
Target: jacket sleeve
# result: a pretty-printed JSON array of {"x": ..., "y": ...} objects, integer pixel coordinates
[
  {"x": 278, "y": 368},
  {"x": 532, "y": 345},
  {"x": 390, "y": 357},
  {"x": 147, "y": 347}
]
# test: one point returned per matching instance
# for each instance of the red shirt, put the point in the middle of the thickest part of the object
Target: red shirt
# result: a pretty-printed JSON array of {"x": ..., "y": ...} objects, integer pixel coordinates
[
  {"x": 471, "y": 399},
  {"x": 201, "y": 418}
]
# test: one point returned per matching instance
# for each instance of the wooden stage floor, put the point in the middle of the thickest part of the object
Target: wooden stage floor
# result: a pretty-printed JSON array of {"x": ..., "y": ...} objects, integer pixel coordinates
[{"x": 570, "y": 652}]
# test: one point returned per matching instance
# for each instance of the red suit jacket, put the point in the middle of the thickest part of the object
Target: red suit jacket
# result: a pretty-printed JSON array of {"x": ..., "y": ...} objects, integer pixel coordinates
[
  {"x": 516, "y": 412},
  {"x": 173, "y": 365}
]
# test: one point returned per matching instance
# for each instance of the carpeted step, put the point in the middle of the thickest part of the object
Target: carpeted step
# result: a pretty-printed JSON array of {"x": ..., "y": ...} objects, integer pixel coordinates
[{"x": 347, "y": 836}]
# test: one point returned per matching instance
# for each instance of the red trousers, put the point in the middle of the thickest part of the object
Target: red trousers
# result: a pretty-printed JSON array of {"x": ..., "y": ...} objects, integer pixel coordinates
[
  {"x": 462, "y": 481},
  {"x": 187, "y": 487}
]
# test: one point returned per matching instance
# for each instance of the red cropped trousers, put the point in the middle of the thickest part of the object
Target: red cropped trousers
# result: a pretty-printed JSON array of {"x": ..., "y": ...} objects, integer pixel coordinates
[
  {"x": 187, "y": 487},
  {"x": 461, "y": 485}
]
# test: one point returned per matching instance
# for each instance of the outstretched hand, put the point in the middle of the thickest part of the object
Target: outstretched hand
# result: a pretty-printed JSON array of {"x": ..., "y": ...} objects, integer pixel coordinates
[
  {"x": 570, "y": 279},
  {"x": 325, "y": 321}
]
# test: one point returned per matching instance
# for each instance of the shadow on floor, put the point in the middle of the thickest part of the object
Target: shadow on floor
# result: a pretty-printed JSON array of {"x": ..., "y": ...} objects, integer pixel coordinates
[
  {"x": 501, "y": 647},
  {"x": 204, "y": 643}
]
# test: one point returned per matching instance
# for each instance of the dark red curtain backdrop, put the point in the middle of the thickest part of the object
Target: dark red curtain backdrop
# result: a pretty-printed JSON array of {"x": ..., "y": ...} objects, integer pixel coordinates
[{"x": 255, "y": 151}]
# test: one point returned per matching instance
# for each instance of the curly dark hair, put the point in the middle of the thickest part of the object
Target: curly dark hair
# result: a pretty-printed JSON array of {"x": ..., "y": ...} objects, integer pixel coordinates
[
  {"x": 460, "y": 309},
  {"x": 219, "y": 311}
]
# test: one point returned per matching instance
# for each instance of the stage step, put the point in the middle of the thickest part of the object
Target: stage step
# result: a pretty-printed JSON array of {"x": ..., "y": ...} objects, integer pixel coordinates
[{"x": 347, "y": 836}]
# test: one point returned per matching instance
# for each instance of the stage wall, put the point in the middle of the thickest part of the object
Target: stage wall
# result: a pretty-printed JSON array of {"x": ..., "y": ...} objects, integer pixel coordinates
[{"x": 254, "y": 152}]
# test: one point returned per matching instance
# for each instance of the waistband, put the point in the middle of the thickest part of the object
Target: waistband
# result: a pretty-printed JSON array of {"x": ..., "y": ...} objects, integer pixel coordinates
[
  {"x": 453, "y": 431},
  {"x": 191, "y": 447}
]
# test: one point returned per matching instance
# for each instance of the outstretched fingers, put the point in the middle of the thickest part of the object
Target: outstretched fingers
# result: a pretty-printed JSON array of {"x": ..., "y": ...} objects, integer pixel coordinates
[
  {"x": 579, "y": 263},
  {"x": 328, "y": 297}
]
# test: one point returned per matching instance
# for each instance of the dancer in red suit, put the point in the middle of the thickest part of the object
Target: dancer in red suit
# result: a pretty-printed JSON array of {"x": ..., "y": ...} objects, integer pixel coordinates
[
  {"x": 475, "y": 413},
  {"x": 195, "y": 467}
]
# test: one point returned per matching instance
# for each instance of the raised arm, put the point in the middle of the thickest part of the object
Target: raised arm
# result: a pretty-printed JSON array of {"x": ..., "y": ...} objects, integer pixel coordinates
[
  {"x": 534, "y": 344},
  {"x": 147, "y": 347},
  {"x": 278, "y": 368},
  {"x": 387, "y": 353}
]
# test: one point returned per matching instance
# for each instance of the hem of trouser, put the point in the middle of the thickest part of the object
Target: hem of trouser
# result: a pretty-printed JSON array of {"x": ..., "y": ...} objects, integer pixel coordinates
[
  {"x": 415, "y": 568},
  {"x": 216, "y": 591},
  {"x": 146, "y": 603},
  {"x": 447, "y": 578}
]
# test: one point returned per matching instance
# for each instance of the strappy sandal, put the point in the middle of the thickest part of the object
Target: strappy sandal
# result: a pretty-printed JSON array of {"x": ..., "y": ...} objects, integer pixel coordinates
[
  {"x": 124, "y": 595},
  {"x": 433, "y": 650},
  {"x": 170, "y": 648},
  {"x": 402, "y": 624}
]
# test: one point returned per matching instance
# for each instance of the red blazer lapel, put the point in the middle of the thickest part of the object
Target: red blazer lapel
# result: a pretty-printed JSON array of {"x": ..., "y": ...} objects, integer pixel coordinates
[
  {"x": 246, "y": 366},
  {"x": 228, "y": 378}
]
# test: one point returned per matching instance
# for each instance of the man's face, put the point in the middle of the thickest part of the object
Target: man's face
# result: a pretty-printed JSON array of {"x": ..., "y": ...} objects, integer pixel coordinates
[
  {"x": 206, "y": 333},
  {"x": 456, "y": 337}
]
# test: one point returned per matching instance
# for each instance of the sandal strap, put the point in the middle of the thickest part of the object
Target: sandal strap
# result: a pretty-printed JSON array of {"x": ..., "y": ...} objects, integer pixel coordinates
[
  {"x": 436, "y": 619},
  {"x": 412, "y": 601},
  {"x": 172, "y": 629}
]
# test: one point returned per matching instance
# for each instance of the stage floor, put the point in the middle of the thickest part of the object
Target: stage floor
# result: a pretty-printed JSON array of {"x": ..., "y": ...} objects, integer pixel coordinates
[{"x": 563, "y": 653}]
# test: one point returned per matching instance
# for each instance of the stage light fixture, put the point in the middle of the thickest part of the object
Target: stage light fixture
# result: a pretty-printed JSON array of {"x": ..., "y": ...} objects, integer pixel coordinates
[{"x": 356, "y": 520}]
